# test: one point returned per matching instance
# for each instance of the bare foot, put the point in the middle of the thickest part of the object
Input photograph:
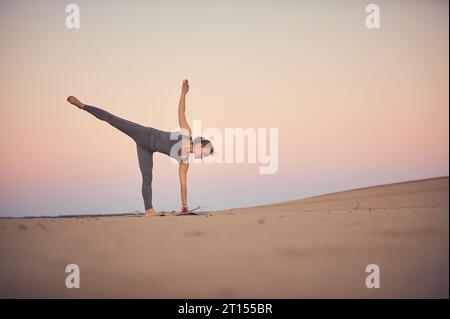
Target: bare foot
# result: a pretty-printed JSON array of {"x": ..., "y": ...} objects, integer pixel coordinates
[
  {"x": 150, "y": 212},
  {"x": 73, "y": 100}
]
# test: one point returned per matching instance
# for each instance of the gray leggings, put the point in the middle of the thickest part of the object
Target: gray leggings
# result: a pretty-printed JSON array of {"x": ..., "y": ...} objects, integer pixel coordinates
[{"x": 145, "y": 138}]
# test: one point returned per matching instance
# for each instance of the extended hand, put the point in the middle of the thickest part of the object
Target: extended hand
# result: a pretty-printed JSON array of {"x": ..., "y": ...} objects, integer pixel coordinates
[
  {"x": 185, "y": 87},
  {"x": 184, "y": 210}
]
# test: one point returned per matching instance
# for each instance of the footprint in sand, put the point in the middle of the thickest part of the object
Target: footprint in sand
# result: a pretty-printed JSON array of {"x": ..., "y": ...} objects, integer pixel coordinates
[
  {"x": 22, "y": 227},
  {"x": 196, "y": 233}
]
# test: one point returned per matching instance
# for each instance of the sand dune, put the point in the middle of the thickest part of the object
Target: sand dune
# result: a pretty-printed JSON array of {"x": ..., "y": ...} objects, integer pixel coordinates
[{"x": 312, "y": 248}]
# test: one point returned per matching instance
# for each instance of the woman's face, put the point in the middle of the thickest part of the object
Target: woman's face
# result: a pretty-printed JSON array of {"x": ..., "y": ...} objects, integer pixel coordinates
[{"x": 201, "y": 152}]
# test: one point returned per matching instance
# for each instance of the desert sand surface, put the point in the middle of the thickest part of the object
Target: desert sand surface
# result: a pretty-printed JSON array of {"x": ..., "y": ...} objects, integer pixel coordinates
[{"x": 312, "y": 248}]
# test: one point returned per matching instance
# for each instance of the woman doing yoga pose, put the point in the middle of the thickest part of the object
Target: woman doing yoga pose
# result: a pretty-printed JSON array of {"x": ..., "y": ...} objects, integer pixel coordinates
[{"x": 149, "y": 140}]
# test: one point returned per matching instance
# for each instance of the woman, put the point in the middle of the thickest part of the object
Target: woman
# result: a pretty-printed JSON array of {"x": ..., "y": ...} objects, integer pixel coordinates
[{"x": 149, "y": 140}]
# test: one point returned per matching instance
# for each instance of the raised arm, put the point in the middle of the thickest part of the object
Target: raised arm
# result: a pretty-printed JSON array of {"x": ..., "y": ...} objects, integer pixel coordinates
[
  {"x": 182, "y": 108},
  {"x": 183, "y": 167}
]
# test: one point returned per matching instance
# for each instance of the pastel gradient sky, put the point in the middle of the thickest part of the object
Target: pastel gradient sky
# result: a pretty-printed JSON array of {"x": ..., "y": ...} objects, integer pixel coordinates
[{"x": 354, "y": 107}]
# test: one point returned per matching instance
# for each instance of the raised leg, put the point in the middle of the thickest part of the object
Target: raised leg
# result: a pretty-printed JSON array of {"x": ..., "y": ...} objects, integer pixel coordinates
[{"x": 136, "y": 131}]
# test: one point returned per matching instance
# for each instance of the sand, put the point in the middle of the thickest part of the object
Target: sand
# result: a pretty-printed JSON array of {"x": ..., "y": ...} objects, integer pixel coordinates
[{"x": 312, "y": 248}]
